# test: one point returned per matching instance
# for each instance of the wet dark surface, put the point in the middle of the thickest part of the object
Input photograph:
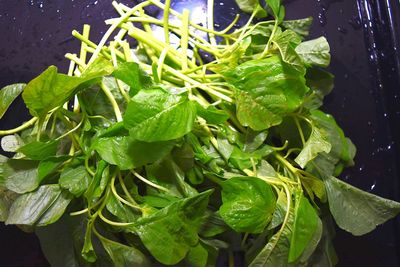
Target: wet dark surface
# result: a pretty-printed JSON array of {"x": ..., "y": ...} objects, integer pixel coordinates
[{"x": 365, "y": 101}]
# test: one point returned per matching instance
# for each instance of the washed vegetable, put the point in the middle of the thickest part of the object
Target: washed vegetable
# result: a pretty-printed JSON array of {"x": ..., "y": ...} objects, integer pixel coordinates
[{"x": 172, "y": 152}]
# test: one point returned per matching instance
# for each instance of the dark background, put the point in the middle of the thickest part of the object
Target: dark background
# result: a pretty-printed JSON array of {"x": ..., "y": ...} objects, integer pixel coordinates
[{"x": 364, "y": 37}]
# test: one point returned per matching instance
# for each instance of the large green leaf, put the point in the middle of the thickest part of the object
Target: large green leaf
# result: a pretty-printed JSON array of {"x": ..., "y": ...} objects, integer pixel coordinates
[
  {"x": 8, "y": 94},
  {"x": 52, "y": 89},
  {"x": 156, "y": 115},
  {"x": 315, "y": 52},
  {"x": 357, "y": 211},
  {"x": 128, "y": 153},
  {"x": 267, "y": 89},
  {"x": 170, "y": 232},
  {"x": 306, "y": 223},
  {"x": 248, "y": 204},
  {"x": 41, "y": 207}
]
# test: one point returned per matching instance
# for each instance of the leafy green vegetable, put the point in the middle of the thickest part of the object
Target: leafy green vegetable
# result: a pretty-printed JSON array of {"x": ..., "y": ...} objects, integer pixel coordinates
[
  {"x": 147, "y": 155},
  {"x": 248, "y": 204},
  {"x": 156, "y": 115},
  {"x": 8, "y": 94},
  {"x": 356, "y": 211}
]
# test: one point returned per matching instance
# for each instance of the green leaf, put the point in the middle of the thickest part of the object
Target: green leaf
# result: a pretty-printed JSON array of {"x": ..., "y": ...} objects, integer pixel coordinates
[
  {"x": 249, "y": 6},
  {"x": 131, "y": 74},
  {"x": 124, "y": 256},
  {"x": 197, "y": 256},
  {"x": 286, "y": 43},
  {"x": 19, "y": 175},
  {"x": 128, "y": 153},
  {"x": 156, "y": 115},
  {"x": 276, "y": 252},
  {"x": 170, "y": 232},
  {"x": 121, "y": 212},
  {"x": 51, "y": 89},
  {"x": 275, "y": 6},
  {"x": 212, "y": 115},
  {"x": 50, "y": 166},
  {"x": 75, "y": 180},
  {"x": 41, "y": 207},
  {"x": 321, "y": 83},
  {"x": 299, "y": 26},
  {"x": 267, "y": 89},
  {"x": 248, "y": 204},
  {"x": 37, "y": 150},
  {"x": 316, "y": 143},
  {"x": 315, "y": 52},
  {"x": 8, "y": 94},
  {"x": 306, "y": 223},
  {"x": 56, "y": 241},
  {"x": 357, "y": 211}
]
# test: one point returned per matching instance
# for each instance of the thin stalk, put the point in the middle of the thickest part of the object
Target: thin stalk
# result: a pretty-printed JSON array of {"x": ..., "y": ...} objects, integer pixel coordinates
[
  {"x": 165, "y": 20},
  {"x": 19, "y": 128},
  {"x": 159, "y": 187},
  {"x": 112, "y": 100},
  {"x": 117, "y": 196}
]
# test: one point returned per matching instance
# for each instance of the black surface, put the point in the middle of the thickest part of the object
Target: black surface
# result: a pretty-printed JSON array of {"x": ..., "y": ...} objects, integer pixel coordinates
[{"x": 364, "y": 41}]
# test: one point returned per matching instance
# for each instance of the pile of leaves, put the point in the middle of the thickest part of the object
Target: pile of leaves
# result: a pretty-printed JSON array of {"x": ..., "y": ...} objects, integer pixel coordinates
[{"x": 192, "y": 142}]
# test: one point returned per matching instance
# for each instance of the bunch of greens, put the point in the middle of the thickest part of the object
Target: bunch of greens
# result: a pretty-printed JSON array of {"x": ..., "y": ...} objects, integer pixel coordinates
[{"x": 155, "y": 155}]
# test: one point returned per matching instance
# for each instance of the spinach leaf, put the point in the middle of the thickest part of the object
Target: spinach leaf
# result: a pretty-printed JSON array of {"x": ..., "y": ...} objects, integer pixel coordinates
[
  {"x": 128, "y": 153},
  {"x": 306, "y": 223},
  {"x": 156, "y": 115},
  {"x": 19, "y": 175},
  {"x": 316, "y": 143},
  {"x": 75, "y": 180},
  {"x": 176, "y": 225},
  {"x": 299, "y": 26},
  {"x": 124, "y": 256},
  {"x": 250, "y": 6},
  {"x": 131, "y": 74},
  {"x": 315, "y": 52},
  {"x": 8, "y": 94},
  {"x": 41, "y": 207},
  {"x": 356, "y": 211},
  {"x": 39, "y": 150},
  {"x": 286, "y": 43},
  {"x": 52, "y": 89},
  {"x": 247, "y": 204},
  {"x": 267, "y": 89}
]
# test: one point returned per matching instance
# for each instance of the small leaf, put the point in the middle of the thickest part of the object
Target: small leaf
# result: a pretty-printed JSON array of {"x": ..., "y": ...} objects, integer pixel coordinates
[
  {"x": 8, "y": 94},
  {"x": 286, "y": 43},
  {"x": 131, "y": 74},
  {"x": 75, "y": 180},
  {"x": 299, "y": 26},
  {"x": 316, "y": 143},
  {"x": 315, "y": 52},
  {"x": 248, "y": 204},
  {"x": 356, "y": 211},
  {"x": 155, "y": 115},
  {"x": 197, "y": 256}
]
